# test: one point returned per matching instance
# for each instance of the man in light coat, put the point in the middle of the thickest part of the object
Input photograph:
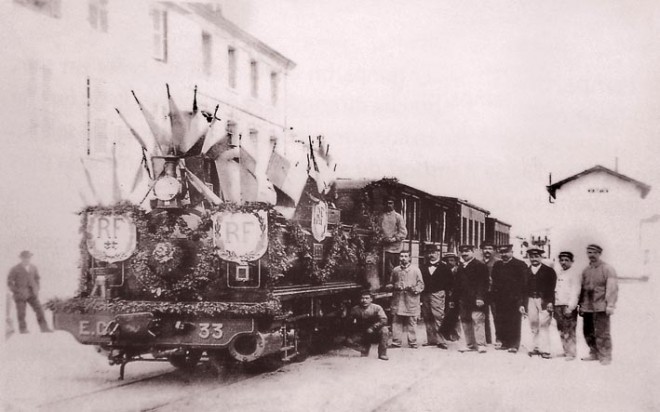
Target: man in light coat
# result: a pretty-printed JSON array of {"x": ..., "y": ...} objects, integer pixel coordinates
[
  {"x": 407, "y": 284},
  {"x": 597, "y": 302},
  {"x": 567, "y": 293},
  {"x": 538, "y": 301},
  {"x": 23, "y": 281},
  {"x": 394, "y": 232}
]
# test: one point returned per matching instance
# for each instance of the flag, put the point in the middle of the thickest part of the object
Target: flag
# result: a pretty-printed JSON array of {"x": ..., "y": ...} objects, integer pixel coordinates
[
  {"x": 116, "y": 190},
  {"x": 178, "y": 123},
  {"x": 201, "y": 187},
  {"x": 135, "y": 134},
  {"x": 163, "y": 141},
  {"x": 288, "y": 175}
]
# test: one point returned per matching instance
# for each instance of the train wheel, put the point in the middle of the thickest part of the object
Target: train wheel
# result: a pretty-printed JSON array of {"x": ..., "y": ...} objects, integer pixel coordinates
[{"x": 186, "y": 360}]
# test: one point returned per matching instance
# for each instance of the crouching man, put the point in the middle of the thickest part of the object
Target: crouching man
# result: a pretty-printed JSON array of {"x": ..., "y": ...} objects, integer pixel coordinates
[{"x": 368, "y": 324}]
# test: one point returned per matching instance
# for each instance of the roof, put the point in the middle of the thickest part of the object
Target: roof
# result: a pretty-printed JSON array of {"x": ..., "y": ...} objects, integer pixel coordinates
[
  {"x": 643, "y": 187},
  {"x": 357, "y": 184},
  {"x": 498, "y": 221},
  {"x": 204, "y": 11},
  {"x": 465, "y": 203}
]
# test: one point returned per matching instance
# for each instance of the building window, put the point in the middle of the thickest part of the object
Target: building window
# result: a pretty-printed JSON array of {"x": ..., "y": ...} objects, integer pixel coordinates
[
  {"x": 254, "y": 78},
  {"x": 231, "y": 67},
  {"x": 274, "y": 88},
  {"x": 159, "y": 22},
  {"x": 98, "y": 15},
  {"x": 50, "y": 8},
  {"x": 207, "y": 52},
  {"x": 231, "y": 132}
]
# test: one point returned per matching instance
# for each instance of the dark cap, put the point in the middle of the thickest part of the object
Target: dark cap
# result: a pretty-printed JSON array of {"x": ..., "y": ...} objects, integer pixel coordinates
[
  {"x": 595, "y": 248},
  {"x": 433, "y": 248},
  {"x": 25, "y": 254},
  {"x": 566, "y": 254},
  {"x": 462, "y": 248},
  {"x": 535, "y": 251},
  {"x": 504, "y": 248},
  {"x": 487, "y": 243},
  {"x": 449, "y": 255}
]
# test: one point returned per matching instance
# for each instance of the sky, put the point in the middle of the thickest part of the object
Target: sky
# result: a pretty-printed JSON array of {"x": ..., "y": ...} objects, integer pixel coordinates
[{"x": 479, "y": 100}]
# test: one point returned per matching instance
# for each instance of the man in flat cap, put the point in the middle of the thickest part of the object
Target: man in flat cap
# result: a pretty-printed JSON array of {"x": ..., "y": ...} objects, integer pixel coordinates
[
  {"x": 489, "y": 258},
  {"x": 368, "y": 324},
  {"x": 508, "y": 284},
  {"x": 567, "y": 293},
  {"x": 471, "y": 288},
  {"x": 23, "y": 281},
  {"x": 538, "y": 301},
  {"x": 438, "y": 283},
  {"x": 407, "y": 283},
  {"x": 394, "y": 232},
  {"x": 597, "y": 302},
  {"x": 451, "y": 328}
]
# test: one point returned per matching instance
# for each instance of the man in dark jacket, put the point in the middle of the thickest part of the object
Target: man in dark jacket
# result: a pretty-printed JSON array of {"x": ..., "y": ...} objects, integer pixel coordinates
[
  {"x": 472, "y": 287},
  {"x": 508, "y": 283},
  {"x": 489, "y": 259},
  {"x": 368, "y": 324},
  {"x": 438, "y": 281},
  {"x": 539, "y": 298},
  {"x": 23, "y": 281}
]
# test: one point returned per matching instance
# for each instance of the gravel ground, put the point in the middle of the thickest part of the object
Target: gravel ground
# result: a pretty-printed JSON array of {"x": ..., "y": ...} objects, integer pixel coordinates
[{"x": 44, "y": 370}]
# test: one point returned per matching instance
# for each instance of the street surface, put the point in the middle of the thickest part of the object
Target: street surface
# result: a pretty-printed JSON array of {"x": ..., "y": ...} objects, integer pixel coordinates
[{"x": 51, "y": 372}]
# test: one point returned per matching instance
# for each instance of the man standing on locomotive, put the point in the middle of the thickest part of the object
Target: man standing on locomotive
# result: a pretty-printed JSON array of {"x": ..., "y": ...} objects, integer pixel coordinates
[
  {"x": 472, "y": 287},
  {"x": 394, "y": 232},
  {"x": 407, "y": 283},
  {"x": 438, "y": 281},
  {"x": 368, "y": 322}
]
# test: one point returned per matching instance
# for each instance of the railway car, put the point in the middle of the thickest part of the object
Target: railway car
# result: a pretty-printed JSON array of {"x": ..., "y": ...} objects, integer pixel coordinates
[{"x": 206, "y": 270}]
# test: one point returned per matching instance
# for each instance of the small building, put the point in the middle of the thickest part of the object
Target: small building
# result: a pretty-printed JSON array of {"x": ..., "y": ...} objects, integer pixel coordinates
[{"x": 601, "y": 206}]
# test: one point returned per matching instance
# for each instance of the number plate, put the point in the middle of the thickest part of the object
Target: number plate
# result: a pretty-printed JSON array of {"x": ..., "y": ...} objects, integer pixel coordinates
[{"x": 91, "y": 329}]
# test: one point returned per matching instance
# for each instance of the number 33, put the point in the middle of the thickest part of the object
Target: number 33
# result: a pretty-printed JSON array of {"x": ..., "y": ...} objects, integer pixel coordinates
[{"x": 213, "y": 330}]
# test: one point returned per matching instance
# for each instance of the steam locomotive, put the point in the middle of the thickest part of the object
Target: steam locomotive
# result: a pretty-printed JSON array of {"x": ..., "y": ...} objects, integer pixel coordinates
[{"x": 214, "y": 269}]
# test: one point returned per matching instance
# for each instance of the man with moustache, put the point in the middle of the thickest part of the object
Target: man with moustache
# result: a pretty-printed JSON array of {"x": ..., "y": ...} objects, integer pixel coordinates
[
  {"x": 451, "y": 329},
  {"x": 597, "y": 302},
  {"x": 539, "y": 297},
  {"x": 438, "y": 281},
  {"x": 508, "y": 284},
  {"x": 369, "y": 325},
  {"x": 489, "y": 258},
  {"x": 407, "y": 283},
  {"x": 567, "y": 293},
  {"x": 472, "y": 287}
]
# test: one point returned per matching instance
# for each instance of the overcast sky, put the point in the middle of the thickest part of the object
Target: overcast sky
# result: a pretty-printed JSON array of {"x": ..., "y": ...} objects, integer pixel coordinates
[{"x": 479, "y": 100}]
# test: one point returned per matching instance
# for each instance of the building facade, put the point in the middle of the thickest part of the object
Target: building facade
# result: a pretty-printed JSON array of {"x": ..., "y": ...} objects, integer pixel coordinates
[
  {"x": 601, "y": 206},
  {"x": 72, "y": 62}
]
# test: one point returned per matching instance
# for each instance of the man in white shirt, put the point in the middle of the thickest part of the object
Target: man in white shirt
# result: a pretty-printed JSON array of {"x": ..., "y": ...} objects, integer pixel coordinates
[{"x": 567, "y": 293}]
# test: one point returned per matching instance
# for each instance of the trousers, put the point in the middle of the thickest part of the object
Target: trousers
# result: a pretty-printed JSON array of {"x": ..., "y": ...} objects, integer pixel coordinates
[
  {"x": 404, "y": 323},
  {"x": 474, "y": 326},
  {"x": 508, "y": 323},
  {"x": 433, "y": 312},
  {"x": 539, "y": 323},
  {"x": 566, "y": 325},
  {"x": 596, "y": 329},
  {"x": 36, "y": 306},
  {"x": 362, "y": 341}
]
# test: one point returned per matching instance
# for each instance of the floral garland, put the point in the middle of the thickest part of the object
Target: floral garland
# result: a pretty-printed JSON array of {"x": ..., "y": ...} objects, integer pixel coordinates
[{"x": 81, "y": 305}]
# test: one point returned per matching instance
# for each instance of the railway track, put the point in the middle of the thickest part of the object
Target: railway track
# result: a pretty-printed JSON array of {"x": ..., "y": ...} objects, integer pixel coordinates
[{"x": 149, "y": 392}]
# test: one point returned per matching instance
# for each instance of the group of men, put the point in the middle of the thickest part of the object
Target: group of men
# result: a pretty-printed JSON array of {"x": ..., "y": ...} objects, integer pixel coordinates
[{"x": 443, "y": 291}]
